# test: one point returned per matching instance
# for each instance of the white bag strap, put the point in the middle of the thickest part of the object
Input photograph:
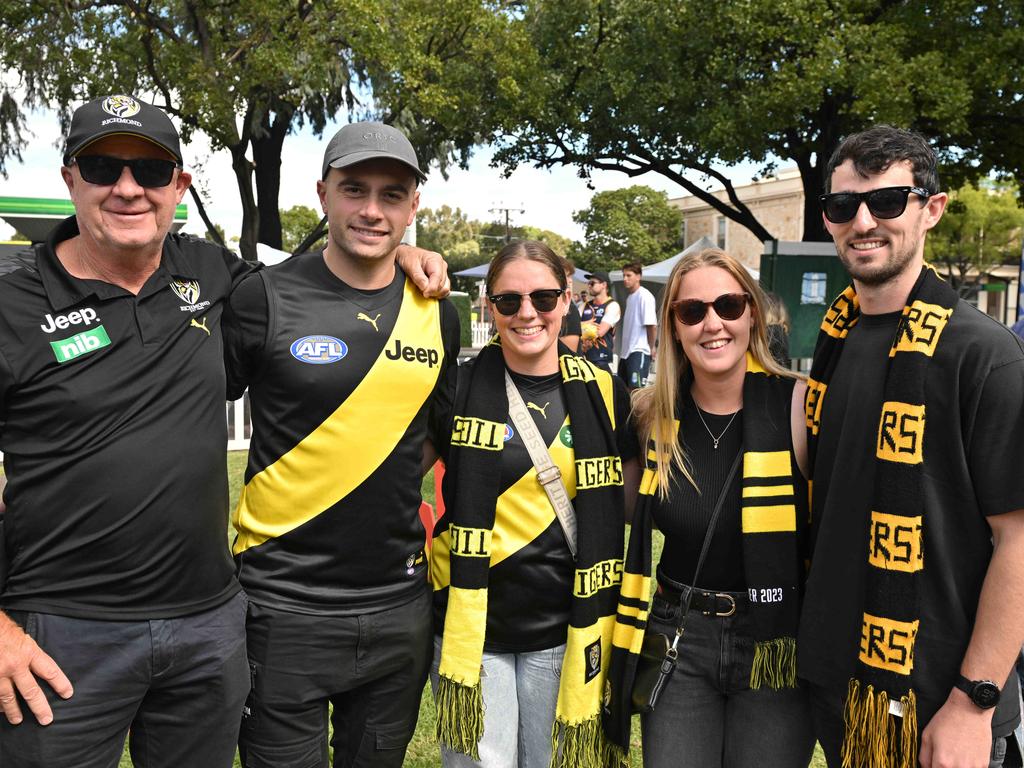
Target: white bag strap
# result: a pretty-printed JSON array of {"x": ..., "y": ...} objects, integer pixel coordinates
[{"x": 548, "y": 475}]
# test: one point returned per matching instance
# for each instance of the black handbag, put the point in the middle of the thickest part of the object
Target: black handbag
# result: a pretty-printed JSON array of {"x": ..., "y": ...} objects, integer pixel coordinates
[{"x": 658, "y": 653}]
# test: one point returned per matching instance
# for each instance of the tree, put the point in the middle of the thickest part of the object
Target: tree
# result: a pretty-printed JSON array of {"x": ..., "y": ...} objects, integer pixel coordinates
[
  {"x": 981, "y": 228},
  {"x": 296, "y": 223},
  {"x": 684, "y": 87},
  {"x": 248, "y": 72},
  {"x": 623, "y": 225}
]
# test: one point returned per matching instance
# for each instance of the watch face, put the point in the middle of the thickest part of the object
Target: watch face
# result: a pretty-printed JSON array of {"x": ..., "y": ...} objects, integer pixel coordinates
[{"x": 985, "y": 694}]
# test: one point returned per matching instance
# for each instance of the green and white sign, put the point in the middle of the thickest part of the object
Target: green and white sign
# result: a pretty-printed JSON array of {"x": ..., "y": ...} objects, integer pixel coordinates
[{"x": 80, "y": 344}]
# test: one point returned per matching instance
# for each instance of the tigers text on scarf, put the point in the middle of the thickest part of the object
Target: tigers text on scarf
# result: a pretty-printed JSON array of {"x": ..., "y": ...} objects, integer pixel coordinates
[
  {"x": 773, "y": 495},
  {"x": 882, "y": 686},
  {"x": 481, "y": 412}
]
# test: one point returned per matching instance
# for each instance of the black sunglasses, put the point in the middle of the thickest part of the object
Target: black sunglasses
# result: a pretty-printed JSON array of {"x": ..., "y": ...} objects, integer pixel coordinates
[
  {"x": 544, "y": 300},
  {"x": 884, "y": 203},
  {"x": 105, "y": 170},
  {"x": 728, "y": 306}
]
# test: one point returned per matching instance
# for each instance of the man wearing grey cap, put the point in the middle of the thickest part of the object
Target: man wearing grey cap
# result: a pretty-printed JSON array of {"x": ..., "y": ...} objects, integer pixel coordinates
[
  {"x": 347, "y": 367},
  {"x": 121, "y": 611}
]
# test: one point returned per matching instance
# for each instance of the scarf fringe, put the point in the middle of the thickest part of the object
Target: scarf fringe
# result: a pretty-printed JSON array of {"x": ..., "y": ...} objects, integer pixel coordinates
[
  {"x": 871, "y": 740},
  {"x": 584, "y": 745},
  {"x": 774, "y": 663},
  {"x": 460, "y": 716}
]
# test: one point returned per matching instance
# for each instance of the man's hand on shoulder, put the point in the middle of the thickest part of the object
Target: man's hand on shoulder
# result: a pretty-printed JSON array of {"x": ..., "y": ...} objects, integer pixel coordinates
[
  {"x": 427, "y": 270},
  {"x": 21, "y": 662},
  {"x": 959, "y": 736}
]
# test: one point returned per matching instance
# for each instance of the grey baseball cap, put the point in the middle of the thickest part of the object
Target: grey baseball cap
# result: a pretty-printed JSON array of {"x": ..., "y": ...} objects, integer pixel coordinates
[
  {"x": 120, "y": 114},
  {"x": 358, "y": 142}
]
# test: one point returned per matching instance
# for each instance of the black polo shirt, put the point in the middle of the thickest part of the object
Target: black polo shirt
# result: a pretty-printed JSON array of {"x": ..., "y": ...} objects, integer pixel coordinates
[{"x": 112, "y": 425}]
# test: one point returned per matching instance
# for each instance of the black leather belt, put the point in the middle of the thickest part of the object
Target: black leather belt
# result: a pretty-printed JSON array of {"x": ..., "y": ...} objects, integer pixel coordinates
[{"x": 709, "y": 603}]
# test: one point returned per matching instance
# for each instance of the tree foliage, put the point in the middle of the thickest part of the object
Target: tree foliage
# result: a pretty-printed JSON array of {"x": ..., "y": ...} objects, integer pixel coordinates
[
  {"x": 248, "y": 72},
  {"x": 684, "y": 87},
  {"x": 297, "y": 223},
  {"x": 983, "y": 227},
  {"x": 632, "y": 224}
]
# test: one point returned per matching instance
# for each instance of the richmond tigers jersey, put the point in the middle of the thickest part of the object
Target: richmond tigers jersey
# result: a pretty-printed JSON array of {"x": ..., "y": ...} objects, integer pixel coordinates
[
  {"x": 529, "y": 593},
  {"x": 341, "y": 383}
]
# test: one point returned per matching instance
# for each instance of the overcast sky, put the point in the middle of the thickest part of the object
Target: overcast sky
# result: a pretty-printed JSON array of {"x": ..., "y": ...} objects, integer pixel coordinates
[{"x": 548, "y": 198}]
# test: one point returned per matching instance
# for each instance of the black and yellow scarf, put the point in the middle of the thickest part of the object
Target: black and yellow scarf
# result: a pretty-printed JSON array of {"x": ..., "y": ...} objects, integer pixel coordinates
[
  {"x": 481, "y": 412},
  {"x": 773, "y": 506},
  {"x": 882, "y": 685}
]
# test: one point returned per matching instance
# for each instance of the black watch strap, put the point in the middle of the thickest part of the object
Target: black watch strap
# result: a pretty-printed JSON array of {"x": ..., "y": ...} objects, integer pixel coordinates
[{"x": 984, "y": 693}]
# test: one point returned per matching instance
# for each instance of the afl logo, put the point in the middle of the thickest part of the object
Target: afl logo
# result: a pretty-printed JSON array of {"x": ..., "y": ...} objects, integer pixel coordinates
[
  {"x": 120, "y": 106},
  {"x": 508, "y": 432},
  {"x": 318, "y": 350},
  {"x": 186, "y": 290}
]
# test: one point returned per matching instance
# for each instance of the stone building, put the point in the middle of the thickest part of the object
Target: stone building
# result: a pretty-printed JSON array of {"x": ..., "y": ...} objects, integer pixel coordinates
[{"x": 777, "y": 202}]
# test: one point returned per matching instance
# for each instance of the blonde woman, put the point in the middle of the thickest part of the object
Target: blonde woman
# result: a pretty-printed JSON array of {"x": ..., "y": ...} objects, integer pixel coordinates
[{"x": 723, "y": 421}]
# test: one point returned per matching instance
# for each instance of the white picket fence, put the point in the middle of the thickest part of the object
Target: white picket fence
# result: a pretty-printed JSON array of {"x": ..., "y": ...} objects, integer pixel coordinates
[{"x": 481, "y": 333}]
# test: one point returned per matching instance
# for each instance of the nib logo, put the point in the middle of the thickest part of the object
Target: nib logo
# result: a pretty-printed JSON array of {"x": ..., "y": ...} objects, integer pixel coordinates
[{"x": 80, "y": 344}]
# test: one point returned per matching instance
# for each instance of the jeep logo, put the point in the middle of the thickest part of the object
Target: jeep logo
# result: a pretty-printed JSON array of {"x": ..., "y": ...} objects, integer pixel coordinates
[
  {"x": 417, "y": 354},
  {"x": 61, "y": 322}
]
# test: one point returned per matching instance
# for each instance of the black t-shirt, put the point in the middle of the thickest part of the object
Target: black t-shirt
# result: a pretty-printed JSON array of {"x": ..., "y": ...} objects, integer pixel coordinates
[
  {"x": 684, "y": 516},
  {"x": 341, "y": 386},
  {"x": 975, "y": 400},
  {"x": 529, "y": 593},
  {"x": 571, "y": 324},
  {"x": 113, "y": 432}
]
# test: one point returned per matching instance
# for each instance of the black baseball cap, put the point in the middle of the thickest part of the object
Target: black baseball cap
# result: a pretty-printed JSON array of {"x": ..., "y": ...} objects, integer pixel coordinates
[
  {"x": 359, "y": 142},
  {"x": 599, "y": 275},
  {"x": 120, "y": 115}
]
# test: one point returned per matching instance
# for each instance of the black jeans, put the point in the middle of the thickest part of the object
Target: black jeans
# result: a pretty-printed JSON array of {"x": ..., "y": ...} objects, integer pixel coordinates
[
  {"x": 372, "y": 668},
  {"x": 178, "y": 684},
  {"x": 708, "y": 715}
]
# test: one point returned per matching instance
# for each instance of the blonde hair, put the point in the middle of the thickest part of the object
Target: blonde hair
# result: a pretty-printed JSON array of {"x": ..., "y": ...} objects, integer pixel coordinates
[{"x": 654, "y": 407}]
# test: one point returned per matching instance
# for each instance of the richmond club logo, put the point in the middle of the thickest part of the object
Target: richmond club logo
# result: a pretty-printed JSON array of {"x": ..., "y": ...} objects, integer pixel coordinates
[
  {"x": 121, "y": 106},
  {"x": 186, "y": 290}
]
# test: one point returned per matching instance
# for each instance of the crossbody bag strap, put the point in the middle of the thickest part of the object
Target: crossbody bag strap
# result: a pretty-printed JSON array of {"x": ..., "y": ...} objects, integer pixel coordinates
[
  {"x": 704, "y": 550},
  {"x": 548, "y": 475}
]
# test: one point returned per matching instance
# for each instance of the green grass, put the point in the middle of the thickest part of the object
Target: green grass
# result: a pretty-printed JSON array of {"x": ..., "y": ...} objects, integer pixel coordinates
[{"x": 422, "y": 752}]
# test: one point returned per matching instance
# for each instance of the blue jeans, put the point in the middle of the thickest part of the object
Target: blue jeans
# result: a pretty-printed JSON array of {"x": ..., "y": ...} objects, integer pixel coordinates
[
  {"x": 520, "y": 691},
  {"x": 708, "y": 716}
]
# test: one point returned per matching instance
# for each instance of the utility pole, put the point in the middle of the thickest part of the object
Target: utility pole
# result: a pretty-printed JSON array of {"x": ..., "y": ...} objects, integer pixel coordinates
[{"x": 507, "y": 212}]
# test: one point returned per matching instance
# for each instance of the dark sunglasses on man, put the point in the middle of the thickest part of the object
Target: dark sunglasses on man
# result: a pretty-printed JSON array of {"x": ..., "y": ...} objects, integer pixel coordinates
[
  {"x": 544, "y": 300},
  {"x": 884, "y": 203},
  {"x": 728, "y": 306},
  {"x": 104, "y": 170}
]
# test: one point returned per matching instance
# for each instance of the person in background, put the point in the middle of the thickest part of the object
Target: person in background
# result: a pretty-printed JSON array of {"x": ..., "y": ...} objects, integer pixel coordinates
[
  {"x": 723, "y": 421},
  {"x": 525, "y": 598},
  {"x": 571, "y": 329},
  {"x": 778, "y": 330},
  {"x": 599, "y": 317},
  {"x": 639, "y": 329}
]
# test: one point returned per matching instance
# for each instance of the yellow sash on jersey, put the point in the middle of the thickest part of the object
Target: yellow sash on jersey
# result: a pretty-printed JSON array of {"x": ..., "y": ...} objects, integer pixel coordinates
[{"x": 352, "y": 442}]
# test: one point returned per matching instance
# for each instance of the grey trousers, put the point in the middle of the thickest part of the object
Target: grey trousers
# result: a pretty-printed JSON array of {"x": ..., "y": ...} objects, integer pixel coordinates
[{"x": 177, "y": 684}]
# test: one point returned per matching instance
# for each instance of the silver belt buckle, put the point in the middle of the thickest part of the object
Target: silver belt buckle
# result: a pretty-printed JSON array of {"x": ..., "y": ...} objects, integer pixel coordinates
[{"x": 732, "y": 604}]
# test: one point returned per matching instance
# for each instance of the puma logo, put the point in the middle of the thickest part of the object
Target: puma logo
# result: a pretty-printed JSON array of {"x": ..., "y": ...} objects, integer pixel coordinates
[
  {"x": 371, "y": 320},
  {"x": 538, "y": 408},
  {"x": 201, "y": 326}
]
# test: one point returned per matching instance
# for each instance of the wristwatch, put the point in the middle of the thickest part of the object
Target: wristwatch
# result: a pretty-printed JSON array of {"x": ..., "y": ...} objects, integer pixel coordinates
[{"x": 984, "y": 693}]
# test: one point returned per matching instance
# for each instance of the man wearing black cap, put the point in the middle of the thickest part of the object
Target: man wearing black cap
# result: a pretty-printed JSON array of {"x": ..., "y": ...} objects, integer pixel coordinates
[
  {"x": 120, "y": 610},
  {"x": 343, "y": 360},
  {"x": 599, "y": 316}
]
